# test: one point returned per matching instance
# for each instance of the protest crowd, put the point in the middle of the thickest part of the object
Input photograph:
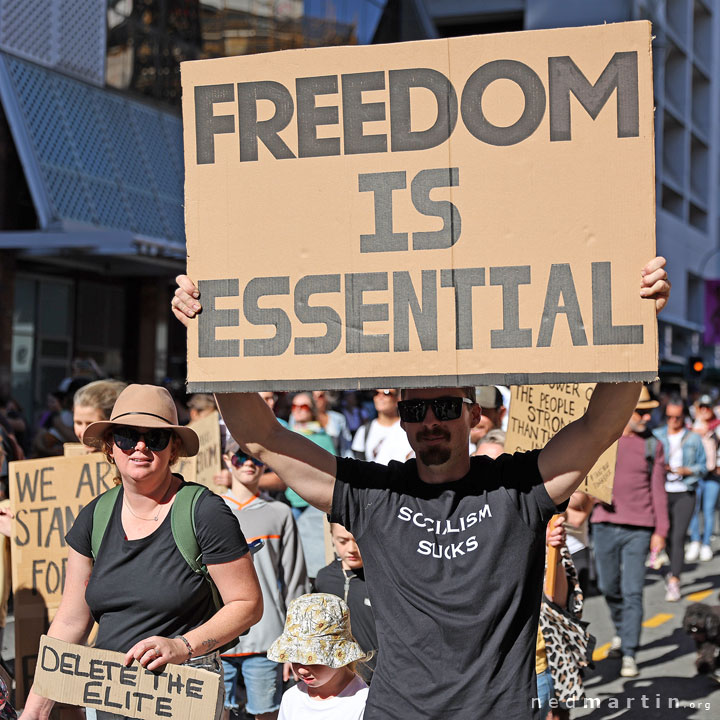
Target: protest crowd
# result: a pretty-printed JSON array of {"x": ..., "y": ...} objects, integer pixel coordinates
[{"x": 289, "y": 631}]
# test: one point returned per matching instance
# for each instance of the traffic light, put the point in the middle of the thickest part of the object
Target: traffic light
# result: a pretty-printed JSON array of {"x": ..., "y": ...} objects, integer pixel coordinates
[{"x": 696, "y": 365}]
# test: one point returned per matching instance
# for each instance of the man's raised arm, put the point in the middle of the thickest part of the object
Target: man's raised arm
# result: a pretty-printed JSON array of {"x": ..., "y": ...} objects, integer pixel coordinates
[
  {"x": 569, "y": 456},
  {"x": 300, "y": 463}
]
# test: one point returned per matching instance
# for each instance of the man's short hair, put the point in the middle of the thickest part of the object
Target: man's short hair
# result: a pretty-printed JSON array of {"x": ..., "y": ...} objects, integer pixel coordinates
[
  {"x": 468, "y": 392},
  {"x": 493, "y": 437},
  {"x": 488, "y": 396}
]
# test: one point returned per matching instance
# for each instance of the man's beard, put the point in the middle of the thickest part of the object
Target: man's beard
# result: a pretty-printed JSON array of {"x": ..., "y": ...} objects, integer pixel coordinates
[{"x": 435, "y": 454}]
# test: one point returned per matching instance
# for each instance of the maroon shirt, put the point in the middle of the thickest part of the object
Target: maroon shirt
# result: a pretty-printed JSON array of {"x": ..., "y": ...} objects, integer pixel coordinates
[{"x": 637, "y": 499}]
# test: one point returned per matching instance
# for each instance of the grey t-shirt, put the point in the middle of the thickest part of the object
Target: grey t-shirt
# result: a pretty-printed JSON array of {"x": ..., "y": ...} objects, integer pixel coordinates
[
  {"x": 454, "y": 573},
  {"x": 144, "y": 587}
]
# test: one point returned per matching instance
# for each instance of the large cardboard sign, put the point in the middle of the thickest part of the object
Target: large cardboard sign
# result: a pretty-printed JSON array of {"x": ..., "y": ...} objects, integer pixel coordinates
[
  {"x": 78, "y": 675},
  {"x": 537, "y": 412},
  {"x": 203, "y": 467},
  {"x": 46, "y": 497},
  {"x": 466, "y": 211}
]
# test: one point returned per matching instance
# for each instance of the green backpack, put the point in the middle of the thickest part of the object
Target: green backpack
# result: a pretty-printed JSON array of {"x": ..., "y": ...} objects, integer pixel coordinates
[{"x": 182, "y": 521}]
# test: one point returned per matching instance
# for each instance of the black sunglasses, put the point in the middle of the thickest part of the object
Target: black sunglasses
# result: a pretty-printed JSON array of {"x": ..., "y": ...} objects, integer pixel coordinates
[
  {"x": 238, "y": 459},
  {"x": 156, "y": 439},
  {"x": 444, "y": 408}
]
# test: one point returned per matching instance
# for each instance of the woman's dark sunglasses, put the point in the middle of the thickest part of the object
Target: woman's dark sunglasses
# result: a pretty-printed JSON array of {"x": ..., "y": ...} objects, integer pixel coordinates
[
  {"x": 156, "y": 439},
  {"x": 238, "y": 459},
  {"x": 444, "y": 408}
]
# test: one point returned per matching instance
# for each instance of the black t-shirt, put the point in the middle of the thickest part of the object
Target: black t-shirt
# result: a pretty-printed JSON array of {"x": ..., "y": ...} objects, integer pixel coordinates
[
  {"x": 144, "y": 587},
  {"x": 454, "y": 574}
]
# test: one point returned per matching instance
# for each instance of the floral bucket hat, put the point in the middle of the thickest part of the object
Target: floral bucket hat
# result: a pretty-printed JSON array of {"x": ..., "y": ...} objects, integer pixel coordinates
[{"x": 317, "y": 632}]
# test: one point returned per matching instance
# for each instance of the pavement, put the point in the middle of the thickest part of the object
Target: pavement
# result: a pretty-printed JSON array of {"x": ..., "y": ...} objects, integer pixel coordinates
[{"x": 668, "y": 685}]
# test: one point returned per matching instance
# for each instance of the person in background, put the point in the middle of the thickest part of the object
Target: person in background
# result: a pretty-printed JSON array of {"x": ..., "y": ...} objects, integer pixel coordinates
[
  {"x": 626, "y": 529},
  {"x": 310, "y": 520},
  {"x": 333, "y": 422},
  {"x": 492, "y": 444},
  {"x": 490, "y": 400},
  {"x": 554, "y": 537},
  {"x": 578, "y": 538},
  {"x": 200, "y": 405},
  {"x": 383, "y": 439},
  {"x": 318, "y": 642},
  {"x": 708, "y": 487},
  {"x": 354, "y": 412},
  {"x": 93, "y": 403},
  {"x": 345, "y": 577},
  {"x": 280, "y": 568},
  {"x": 684, "y": 466}
]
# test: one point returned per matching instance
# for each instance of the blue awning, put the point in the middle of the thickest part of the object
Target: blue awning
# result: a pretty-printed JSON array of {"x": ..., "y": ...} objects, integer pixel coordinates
[{"x": 95, "y": 160}]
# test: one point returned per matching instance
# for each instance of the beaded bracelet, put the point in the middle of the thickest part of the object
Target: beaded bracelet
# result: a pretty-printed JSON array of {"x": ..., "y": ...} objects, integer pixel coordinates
[{"x": 187, "y": 645}]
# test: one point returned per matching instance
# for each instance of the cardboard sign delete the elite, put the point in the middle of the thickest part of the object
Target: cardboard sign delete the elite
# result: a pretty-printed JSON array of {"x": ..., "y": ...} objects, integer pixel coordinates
[
  {"x": 87, "y": 677},
  {"x": 462, "y": 211}
]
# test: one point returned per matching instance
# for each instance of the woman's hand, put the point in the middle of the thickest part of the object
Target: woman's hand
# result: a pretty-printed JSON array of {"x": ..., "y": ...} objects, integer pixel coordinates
[
  {"x": 6, "y": 517},
  {"x": 555, "y": 536},
  {"x": 156, "y": 651}
]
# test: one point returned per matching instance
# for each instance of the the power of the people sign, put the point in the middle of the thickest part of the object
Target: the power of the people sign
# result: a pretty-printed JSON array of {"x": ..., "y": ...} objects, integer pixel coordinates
[{"x": 465, "y": 211}]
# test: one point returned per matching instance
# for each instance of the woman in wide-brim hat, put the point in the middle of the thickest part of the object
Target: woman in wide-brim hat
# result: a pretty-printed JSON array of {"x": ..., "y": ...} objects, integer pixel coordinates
[{"x": 148, "y": 602}]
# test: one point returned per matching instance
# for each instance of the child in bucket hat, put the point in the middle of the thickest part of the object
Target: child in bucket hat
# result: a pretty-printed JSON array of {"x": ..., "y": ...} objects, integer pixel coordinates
[{"x": 318, "y": 642}]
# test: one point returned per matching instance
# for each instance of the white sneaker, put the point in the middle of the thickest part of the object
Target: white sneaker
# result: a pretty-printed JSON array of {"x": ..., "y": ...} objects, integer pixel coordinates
[
  {"x": 629, "y": 667},
  {"x": 692, "y": 551},
  {"x": 615, "y": 650},
  {"x": 706, "y": 553},
  {"x": 673, "y": 591}
]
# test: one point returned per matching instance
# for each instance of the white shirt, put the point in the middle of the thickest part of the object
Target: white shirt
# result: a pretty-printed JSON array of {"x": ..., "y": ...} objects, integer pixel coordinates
[
  {"x": 384, "y": 443},
  {"x": 674, "y": 482},
  {"x": 348, "y": 705}
]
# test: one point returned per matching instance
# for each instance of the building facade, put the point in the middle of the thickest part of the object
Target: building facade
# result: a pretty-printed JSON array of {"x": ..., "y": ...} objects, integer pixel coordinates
[
  {"x": 91, "y": 168},
  {"x": 91, "y": 172}
]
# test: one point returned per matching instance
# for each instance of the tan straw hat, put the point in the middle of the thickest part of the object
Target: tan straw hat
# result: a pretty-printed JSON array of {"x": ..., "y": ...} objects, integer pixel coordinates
[
  {"x": 146, "y": 406},
  {"x": 317, "y": 632},
  {"x": 645, "y": 402}
]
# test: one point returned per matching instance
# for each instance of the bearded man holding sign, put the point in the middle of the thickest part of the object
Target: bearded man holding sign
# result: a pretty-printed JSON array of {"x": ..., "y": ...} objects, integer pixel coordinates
[{"x": 453, "y": 546}]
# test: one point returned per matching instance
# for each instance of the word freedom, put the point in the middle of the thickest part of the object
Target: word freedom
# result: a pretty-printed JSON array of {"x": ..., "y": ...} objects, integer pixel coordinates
[
  {"x": 564, "y": 79},
  {"x": 402, "y": 302}
]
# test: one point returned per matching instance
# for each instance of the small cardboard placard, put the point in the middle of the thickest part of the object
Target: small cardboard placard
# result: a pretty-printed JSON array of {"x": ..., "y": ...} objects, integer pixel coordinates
[
  {"x": 75, "y": 449},
  {"x": 537, "y": 412},
  {"x": 463, "y": 211},
  {"x": 46, "y": 497},
  {"x": 203, "y": 467},
  {"x": 78, "y": 675}
]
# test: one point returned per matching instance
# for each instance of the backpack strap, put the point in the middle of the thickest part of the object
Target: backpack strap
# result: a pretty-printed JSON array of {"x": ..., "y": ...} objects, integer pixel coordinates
[
  {"x": 101, "y": 517},
  {"x": 650, "y": 451},
  {"x": 182, "y": 522}
]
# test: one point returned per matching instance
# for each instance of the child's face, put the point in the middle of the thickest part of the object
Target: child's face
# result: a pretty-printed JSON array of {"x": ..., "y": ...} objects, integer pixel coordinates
[
  {"x": 346, "y": 547},
  {"x": 315, "y": 676}
]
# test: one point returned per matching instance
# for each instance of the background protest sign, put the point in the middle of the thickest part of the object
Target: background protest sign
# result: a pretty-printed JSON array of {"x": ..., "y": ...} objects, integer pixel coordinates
[
  {"x": 206, "y": 464},
  {"x": 46, "y": 497},
  {"x": 537, "y": 412},
  {"x": 471, "y": 210},
  {"x": 84, "y": 676}
]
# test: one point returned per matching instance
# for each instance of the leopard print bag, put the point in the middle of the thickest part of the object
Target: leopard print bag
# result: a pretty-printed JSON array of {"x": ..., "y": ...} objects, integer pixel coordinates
[{"x": 568, "y": 644}]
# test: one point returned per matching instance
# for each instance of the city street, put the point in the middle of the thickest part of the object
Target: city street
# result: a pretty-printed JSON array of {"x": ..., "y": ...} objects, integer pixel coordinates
[{"x": 668, "y": 686}]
